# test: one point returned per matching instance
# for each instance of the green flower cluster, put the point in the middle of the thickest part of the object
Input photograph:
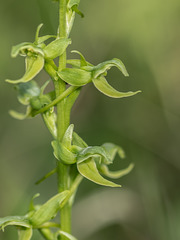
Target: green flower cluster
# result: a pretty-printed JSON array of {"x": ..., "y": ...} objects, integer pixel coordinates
[
  {"x": 86, "y": 161},
  {"x": 90, "y": 161}
]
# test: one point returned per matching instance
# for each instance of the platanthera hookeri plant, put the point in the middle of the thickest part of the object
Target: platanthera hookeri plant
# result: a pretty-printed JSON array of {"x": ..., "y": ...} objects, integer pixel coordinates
[{"x": 75, "y": 159}]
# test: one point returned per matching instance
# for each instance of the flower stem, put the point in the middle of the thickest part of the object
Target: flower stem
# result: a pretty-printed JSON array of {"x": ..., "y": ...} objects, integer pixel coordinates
[
  {"x": 60, "y": 87},
  {"x": 62, "y": 96}
]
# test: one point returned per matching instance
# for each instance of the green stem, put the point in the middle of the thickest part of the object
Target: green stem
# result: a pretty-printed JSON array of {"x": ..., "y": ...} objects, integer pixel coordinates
[
  {"x": 62, "y": 96},
  {"x": 73, "y": 188},
  {"x": 60, "y": 87}
]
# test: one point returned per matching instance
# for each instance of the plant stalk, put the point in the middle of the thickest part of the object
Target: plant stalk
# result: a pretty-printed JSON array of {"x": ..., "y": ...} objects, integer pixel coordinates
[{"x": 62, "y": 124}]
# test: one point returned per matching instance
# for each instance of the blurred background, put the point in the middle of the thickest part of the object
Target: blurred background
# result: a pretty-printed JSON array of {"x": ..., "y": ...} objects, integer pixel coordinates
[{"x": 145, "y": 35}]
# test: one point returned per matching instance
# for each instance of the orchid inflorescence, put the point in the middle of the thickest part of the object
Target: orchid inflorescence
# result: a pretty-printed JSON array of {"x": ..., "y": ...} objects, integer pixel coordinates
[{"x": 86, "y": 161}]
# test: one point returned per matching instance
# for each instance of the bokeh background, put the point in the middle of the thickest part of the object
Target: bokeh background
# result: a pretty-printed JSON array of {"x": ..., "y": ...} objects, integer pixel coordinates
[{"x": 145, "y": 35}]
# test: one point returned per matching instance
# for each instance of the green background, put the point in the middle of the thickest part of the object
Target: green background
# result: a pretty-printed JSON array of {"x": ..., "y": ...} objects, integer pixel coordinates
[{"x": 145, "y": 35}]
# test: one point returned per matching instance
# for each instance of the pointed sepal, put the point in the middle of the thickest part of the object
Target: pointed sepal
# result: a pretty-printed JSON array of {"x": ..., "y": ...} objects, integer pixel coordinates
[
  {"x": 103, "y": 86},
  {"x": 14, "y": 220},
  {"x": 35, "y": 63},
  {"x": 75, "y": 76},
  {"x": 88, "y": 169},
  {"x": 56, "y": 48},
  {"x": 24, "y": 233}
]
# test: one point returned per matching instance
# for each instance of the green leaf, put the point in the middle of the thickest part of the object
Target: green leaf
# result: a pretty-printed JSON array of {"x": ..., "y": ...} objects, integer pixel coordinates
[
  {"x": 115, "y": 174},
  {"x": 14, "y": 220},
  {"x": 75, "y": 77},
  {"x": 24, "y": 233},
  {"x": 48, "y": 210},
  {"x": 21, "y": 116},
  {"x": 26, "y": 91},
  {"x": 89, "y": 170},
  {"x": 50, "y": 119},
  {"x": 35, "y": 66},
  {"x": 78, "y": 141},
  {"x": 65, "y": 234},
  {"x": 113, "y": 149},
  {"x": 102, "y": 85},
  {"x": 104, "y": 66},
  {"x": 94, "y": 151},
  {"x": 56, "y": 48},
  {"x": 67, "y": 138},
  {"x": 62, "y": 153}
]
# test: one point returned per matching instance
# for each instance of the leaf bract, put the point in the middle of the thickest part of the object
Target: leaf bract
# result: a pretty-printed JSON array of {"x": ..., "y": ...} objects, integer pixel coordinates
[{"x": 48, "y": 210}]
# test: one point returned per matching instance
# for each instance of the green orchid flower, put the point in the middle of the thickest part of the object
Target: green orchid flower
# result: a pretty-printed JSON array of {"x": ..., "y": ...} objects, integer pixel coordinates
[
  {"x": 83, "y": 73},
  {"x": 37, "y": 53},
  {"x": 91, "y": 161}
]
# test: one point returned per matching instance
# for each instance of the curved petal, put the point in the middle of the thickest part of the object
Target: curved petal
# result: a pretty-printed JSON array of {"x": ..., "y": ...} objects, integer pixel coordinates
[
  {"x": 24, "y": 48},
  {"x": 83, "y": 61},
  {"x": 103, "y": 86},
  {"x": 104, "y": 66},
  {"x": 37, "y": 32},
  {"x": 34, "y": 66},
  {"x": 24, "y": 233},
  {"x": 14, "y": 220},
  {"x": 93, "y": 152},
  {"x": 89, "y": 170},
  {"x": 112, "y": 149},
  {"x": 115, "y": 174},
  {"x": 21, "y": 116}
]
